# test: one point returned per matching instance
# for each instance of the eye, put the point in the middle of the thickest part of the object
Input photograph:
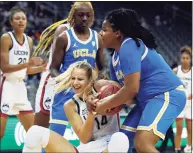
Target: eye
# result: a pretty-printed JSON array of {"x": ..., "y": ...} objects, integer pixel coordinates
[{"x": 73, "y": 78}]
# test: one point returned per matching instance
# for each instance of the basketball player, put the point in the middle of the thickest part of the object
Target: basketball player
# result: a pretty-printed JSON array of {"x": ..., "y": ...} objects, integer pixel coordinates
[
  {"x": 143, "y": 73},
  {"x": 15, "y": 52},
  {"x": 45, "y": 91},
  {"x": 79, "y": 43},
  {"x": 97, "y": 133},
  {"x": 183, "y": 71}
]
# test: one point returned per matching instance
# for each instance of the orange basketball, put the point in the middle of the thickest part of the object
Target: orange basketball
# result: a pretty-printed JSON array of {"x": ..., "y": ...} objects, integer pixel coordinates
[{"x": 108, "y": 90}]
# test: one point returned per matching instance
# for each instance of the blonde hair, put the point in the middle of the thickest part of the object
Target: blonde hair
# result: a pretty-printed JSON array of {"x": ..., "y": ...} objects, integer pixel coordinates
[
  {"x": 74, "y": 7},
  {"x": 47, "y": 35},
  {"x": 64, "y": 79}
]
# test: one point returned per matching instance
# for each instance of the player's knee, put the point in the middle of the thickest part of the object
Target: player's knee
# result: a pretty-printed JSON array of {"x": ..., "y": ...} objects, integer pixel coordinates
[
  {"x": 37, "y": 135},
  {"x": 116, "y": 139}
]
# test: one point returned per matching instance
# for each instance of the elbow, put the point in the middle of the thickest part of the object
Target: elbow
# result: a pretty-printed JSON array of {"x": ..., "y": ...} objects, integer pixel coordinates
[{"x": 84, "y": 140}]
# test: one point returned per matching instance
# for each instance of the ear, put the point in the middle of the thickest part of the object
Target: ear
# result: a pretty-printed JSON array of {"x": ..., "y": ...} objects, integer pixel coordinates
[{"x": 118, "y": 33}]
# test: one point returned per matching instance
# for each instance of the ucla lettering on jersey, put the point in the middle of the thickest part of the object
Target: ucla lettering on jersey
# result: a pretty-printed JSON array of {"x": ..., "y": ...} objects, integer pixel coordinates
[
  {"x": 78, "y": 50},
  {"x": 18, "y": 54},
  {"x": 103, "y": 124}
]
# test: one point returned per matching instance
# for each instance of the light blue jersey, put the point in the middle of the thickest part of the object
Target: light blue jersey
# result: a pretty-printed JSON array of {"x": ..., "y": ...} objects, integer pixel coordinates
[
  {"x": 78, "y": 50},
  {"x": 161, "y": 95},
  {"x": 153, "y": 68}
]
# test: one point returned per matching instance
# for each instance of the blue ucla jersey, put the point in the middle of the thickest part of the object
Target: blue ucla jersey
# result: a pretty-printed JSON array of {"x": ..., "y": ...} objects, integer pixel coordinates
[
  {"x": 78, "y": 50},
  {"x": 156, "y": 76}
]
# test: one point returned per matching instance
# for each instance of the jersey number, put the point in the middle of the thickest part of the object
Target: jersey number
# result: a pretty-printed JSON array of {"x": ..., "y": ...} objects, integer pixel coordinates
[
  {"x": 103, "y": 121},
  {"x": 22, "y": 60}
]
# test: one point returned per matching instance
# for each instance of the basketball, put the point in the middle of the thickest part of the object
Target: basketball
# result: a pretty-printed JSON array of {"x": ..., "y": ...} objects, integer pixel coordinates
[{"x": 108, "y": 90}]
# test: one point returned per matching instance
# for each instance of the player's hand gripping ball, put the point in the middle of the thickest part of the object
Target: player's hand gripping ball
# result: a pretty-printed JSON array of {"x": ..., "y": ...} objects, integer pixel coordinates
[{"x": 106, "y": 91}]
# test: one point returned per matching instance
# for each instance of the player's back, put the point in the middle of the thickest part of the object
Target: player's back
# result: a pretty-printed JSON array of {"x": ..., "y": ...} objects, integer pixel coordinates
[
  {"x": 103, "y": 125},
  {"x": 154, "y": 73},
  {"x": 18, "y": 54},
  {"x": 78, "y": 50}
]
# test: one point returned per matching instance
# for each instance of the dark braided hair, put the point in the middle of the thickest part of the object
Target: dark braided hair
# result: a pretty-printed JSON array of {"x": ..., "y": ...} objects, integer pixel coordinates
[{"x": 129, "y": 24}]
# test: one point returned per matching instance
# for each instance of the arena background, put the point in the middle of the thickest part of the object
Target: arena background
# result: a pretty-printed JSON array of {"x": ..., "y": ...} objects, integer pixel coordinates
[{"x": 170, "y": 22}]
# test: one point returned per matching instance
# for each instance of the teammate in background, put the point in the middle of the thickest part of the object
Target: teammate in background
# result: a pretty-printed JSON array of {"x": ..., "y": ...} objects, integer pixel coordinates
[
  {"x": 183, "y": 71},
  {"x": 45, "y": 92},
  {"x": 79, "y": 43},
  {"x": 143, "y": 73},
  {"x": 97, "y": 133},
  {"x": 15, "y": 53}
]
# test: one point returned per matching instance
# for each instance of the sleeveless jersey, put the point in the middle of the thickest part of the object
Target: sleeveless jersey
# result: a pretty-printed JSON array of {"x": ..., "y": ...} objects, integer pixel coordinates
[
  {"x": 185, "y": 78},
  {"x": 78, "y": 50},
  {"x": 18, "y": 54},
  {"x": 103, "y": 125}
]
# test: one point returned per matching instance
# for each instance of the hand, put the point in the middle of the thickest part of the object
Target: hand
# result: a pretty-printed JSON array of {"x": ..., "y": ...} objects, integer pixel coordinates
[
  {"x": 91, "y": 102},
  {"x": 189, "y": 97},
  {"x": 100, "y": 105},
  {"x": 35, "y": 61}
]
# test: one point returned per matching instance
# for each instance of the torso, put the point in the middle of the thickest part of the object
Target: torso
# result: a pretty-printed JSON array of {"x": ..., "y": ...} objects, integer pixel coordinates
[
  {"x": 78, "y": 50},
  {"x": 18, "y": 54},
  {"x": 103, "y": 124}
]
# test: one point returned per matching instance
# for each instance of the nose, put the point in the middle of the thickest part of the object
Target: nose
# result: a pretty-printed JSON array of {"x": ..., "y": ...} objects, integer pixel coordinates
[
  {"x": 85, "y": 18},
  {"x": 75, "y": 82}
]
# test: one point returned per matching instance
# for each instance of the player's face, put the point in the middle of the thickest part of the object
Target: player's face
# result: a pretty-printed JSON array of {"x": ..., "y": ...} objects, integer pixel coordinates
[
  {"x": 185, "y": 59},
  {"x": 108, "y": 35},
  {"x": 19, "y": 21},
  {"x": 79, "y": 80},
  {"x": 83, "y": 16}
]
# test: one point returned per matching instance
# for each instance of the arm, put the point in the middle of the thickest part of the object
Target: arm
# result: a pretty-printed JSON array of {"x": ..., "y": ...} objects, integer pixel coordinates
[
  {"x": 130, "y": 59},
  {"x": 100, "y": 56},
  {"x": 84, "y": 131},
  {"x": 59, "y": 48},
  {"x": 5, "y": 45}
]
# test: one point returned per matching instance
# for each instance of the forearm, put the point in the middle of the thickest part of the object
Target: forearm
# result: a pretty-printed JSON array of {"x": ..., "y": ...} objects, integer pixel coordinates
[
  {"x": 35, "y": 70},
  {"x": 124, "y": 95},
  {"x": 13, "y": 68},
  {"x": 86, "y": 131}
]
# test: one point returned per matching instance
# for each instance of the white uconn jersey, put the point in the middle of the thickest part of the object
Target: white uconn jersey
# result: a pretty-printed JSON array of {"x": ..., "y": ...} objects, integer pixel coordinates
[
  {"x": 18, "y": 54},
  {"x": 185, "y": 78},
  {"x": 103, "y": 125}
]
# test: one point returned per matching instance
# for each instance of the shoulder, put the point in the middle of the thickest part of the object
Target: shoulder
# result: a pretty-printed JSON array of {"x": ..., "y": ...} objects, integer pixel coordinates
[
  {"x": 69, "y": 105},
  {"x": 30, "y": 40},
  {"x": 175, "y": 69},
  {"x": 61, "y": 28},
  {"x": 6, "y": 36},
  {"x": 6, "y": 39}
]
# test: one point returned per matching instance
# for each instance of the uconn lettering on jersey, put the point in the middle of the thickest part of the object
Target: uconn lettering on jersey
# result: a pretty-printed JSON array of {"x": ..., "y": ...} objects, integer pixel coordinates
[
  {"x": 83, "y": 53},
  {"x": 20, "y": 52}
]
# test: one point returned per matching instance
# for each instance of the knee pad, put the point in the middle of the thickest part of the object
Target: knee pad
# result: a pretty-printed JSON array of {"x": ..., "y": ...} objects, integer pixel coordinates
[
  {"x": 36, "y": 136},
  {"x": 118, "y": 143}
]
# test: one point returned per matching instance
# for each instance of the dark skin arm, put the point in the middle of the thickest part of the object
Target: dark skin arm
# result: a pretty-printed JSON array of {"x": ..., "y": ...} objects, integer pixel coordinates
[
  {"x": 59, "y": 47},
  {"x": 100, "y": 57},
  {"x": 124, "y": 95}
]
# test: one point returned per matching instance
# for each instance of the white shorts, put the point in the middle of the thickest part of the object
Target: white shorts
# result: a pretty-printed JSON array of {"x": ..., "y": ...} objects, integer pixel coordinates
[
  {"x": 98, "y": 145},
  {"x": 187, "y": 112},
  {"x": 14, "y": 98},
  {"x": 44, "y": 94}
]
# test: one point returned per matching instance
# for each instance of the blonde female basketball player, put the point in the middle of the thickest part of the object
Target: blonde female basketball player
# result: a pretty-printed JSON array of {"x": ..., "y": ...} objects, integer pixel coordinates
[
  {"x": 16, "y": 49},
  {"x": 183, "y": 71},
  {"x": 97, "y": 133}
]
